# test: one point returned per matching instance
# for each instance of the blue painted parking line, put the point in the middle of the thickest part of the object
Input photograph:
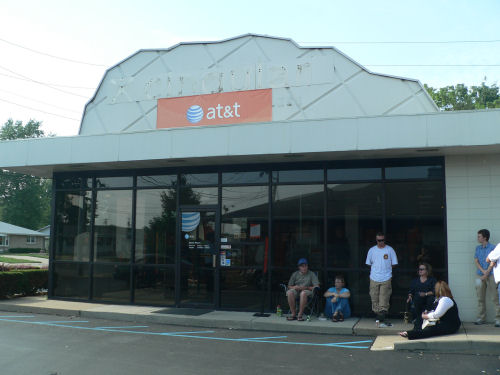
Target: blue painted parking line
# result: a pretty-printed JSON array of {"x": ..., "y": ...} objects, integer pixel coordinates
[
  {"x": 265, "y": 338},
  {"x": 121, "y": 327},
  {"x": 192, "y": 335},
  {"x": 63, "y": 321}
]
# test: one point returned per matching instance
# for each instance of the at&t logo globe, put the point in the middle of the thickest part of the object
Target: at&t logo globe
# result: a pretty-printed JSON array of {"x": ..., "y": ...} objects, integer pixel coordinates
[{"x": 194, "y": 114}]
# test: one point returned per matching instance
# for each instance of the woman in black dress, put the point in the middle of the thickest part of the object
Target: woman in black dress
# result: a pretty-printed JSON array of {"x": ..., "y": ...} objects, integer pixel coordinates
[
  {"x": 422, "y": 292},
  {"x": 446, "y": 313}
]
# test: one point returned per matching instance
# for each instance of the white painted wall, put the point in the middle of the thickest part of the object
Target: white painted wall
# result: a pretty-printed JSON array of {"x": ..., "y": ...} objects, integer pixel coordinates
[{"x": 473, "y": 203}]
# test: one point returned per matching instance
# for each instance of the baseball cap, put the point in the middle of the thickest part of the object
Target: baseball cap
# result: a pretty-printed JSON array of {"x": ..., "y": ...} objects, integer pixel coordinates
[{"x": 302, "y": 261}]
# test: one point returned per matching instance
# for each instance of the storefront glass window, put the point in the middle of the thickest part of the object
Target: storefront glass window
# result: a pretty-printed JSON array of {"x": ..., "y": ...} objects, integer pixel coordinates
[
  {"x": 155, "y": 226},
  {"x": 199, "y": 196},
  {"x": 354, "y": 218},
  {"x": 72, "y": 226},
  {"x": 111, "y": 283},
  {"x": 113, "y": 182},
  {"x": 238, "y": 178},
  {"x": 298, "y": 212},
  {"x": 71, "y": 280},
  {"x": 244, "y": 245},
  {"x": 418, "y": 171},
  {"x": 354, "y": 174},
  {"x": 199, "y": 179},
  {"x": 75, "y": 183},
  {"x": 297, "y": 176},
  {"x": 113, "y": 226},
  {"x": 156, "y": 180},
  {"x": 155, "y": 285},
  {"x": 415, "y": 212}
]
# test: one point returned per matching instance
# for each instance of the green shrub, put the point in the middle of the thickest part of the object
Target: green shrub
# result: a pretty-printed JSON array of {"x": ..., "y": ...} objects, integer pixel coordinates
[
  {"x": 23, "y": 250},
  {"x": 26, "y": 282}
]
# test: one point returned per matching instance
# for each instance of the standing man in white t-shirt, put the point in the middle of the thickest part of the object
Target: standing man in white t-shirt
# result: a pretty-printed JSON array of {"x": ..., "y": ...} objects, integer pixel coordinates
[{"x": 381, "y": 258}]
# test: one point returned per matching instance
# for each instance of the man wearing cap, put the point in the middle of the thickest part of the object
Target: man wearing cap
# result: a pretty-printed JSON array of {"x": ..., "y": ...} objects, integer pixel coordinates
[
  {"x": 301, "y": 284},
  {"x": 381, "y": 258}
]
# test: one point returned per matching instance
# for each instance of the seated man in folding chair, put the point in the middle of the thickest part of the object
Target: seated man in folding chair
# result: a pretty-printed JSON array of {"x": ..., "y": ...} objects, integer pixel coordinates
[{"x": 301, "y": 285}]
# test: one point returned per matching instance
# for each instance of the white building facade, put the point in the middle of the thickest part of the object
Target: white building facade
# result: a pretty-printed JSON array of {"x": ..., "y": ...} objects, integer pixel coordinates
[{"x": 202, "y": 172}]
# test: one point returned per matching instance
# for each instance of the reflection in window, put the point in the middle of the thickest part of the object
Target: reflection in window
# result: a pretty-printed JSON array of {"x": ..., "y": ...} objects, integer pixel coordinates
[
  {"x": 199, "y": 196},
  {"x": 237, "y": 178},
  {"x": 113, "y": 182},
  {"x": 111, "y": 283},
  {"x": 415, "y": 226},
  {"x": 244, "y": 224},
  {"x": 75, "y": 183},
  {"x": 354, "y": 174},
  {"x": 298, "y": 225},
  {"x": 72, "y": 231},
  {"x": 154, "y": 285},
  {"x": 155, "y": 226},
  {"x": 419, "y": 171},
  {"x": 71, "y": 280},
  {"x": 156, "y": 180},
  {"x": 304, "y": 175},
  {"x": 354, "y": 218},
  {"x": 197, "y": 179},
  {"x": 113, "y": 226}
]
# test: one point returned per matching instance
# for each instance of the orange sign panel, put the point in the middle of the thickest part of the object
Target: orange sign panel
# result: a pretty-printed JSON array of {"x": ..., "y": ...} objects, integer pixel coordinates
[{"x": 215, "y": 109}]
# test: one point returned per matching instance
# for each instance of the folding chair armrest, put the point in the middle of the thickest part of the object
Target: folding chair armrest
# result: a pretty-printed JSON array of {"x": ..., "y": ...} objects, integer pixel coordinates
[{"x": 284, "y": 286}]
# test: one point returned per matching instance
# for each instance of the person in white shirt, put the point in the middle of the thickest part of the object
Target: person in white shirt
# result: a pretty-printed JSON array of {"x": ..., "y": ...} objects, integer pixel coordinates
[
  {"x": 494, "y": 257},
  {"x": 381, "y": 258},
  {"x": 446, "y": 314}
]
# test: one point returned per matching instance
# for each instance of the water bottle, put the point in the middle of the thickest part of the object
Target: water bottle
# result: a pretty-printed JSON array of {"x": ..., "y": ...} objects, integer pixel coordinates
[{"x": 279, "y": 312}]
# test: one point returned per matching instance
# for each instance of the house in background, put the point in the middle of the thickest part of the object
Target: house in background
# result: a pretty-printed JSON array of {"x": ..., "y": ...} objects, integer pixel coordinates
[
  {"x": 12, "y": 236},
  {"x": 46, "y": 231}
]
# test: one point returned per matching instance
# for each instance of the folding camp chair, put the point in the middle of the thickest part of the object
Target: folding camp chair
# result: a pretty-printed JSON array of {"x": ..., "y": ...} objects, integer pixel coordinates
[{"x": 313, "y": 306}]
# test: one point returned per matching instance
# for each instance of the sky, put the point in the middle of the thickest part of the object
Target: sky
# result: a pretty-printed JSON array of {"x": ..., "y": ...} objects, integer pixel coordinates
[{"x": 54, "y": 53}]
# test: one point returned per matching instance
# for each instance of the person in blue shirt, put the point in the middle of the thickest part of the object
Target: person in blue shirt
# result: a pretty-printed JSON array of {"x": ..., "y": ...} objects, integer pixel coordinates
[
  {"x": 337, "y": 301},
  {"x": 485, "y": 282}
]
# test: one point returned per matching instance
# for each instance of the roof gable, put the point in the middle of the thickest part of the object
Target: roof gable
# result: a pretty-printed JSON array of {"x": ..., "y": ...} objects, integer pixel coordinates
[{"x": 306, "y": 83}]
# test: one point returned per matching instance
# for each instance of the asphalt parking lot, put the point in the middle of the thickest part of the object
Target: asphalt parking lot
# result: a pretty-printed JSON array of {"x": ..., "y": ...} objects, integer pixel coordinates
[{"x": 51, "y": 344}]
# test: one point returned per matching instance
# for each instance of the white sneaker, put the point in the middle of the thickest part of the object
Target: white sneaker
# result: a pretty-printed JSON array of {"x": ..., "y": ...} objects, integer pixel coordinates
[
  {"x": 384, "y": 325},
  {"x": 497, "y": 323},
  {"x": 479, "y": 322}
]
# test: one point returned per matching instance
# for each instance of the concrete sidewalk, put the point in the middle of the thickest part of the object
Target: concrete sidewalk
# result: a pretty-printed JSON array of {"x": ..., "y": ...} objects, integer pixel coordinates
[{"x": 484, "y": 339}]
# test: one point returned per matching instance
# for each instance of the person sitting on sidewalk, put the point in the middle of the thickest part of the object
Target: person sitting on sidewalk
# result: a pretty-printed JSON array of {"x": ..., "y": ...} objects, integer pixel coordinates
[
  {"x": 300, "y": 285},
  {"x": 444, "y": 320},
  {"x": 421, "y": 292},
  {"x": 337, "y": 301}
]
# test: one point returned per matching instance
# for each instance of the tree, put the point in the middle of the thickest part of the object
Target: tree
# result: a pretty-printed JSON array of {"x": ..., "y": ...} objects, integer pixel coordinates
[
  {"x": 460, "y": 97},
  {"x": 25, "y": 199}
]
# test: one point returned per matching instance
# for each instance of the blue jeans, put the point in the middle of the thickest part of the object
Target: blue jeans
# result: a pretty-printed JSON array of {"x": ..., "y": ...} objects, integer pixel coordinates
[{"x": 342, "y": 305}]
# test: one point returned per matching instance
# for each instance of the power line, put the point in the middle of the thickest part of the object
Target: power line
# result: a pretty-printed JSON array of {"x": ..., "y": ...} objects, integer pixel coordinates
[
  {"x": 39, "y": 110},
  {"x": 39, "y": 101},
  {"x": 49, "y": 83},
  {"x": 49, "y": 55},
  {"x": 409, "y": 42},
  {"x": 43, "y": 84}
]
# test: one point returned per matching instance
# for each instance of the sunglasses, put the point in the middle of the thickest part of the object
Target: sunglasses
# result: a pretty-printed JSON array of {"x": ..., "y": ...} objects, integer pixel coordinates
[
  {"x": 381, "y": 240},
  {"x": 422, "y": 269}
]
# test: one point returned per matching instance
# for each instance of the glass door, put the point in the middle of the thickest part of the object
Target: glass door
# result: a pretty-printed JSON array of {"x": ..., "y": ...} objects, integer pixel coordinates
[{"x": 198, "y": 257}]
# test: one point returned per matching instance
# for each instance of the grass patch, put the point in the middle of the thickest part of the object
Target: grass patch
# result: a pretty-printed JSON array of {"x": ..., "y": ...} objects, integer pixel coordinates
[{"x": 15, "y": 260}]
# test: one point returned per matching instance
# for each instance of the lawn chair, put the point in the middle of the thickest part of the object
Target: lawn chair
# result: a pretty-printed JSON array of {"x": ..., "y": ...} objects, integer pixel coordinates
[{"x": 313, "y": 306}]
